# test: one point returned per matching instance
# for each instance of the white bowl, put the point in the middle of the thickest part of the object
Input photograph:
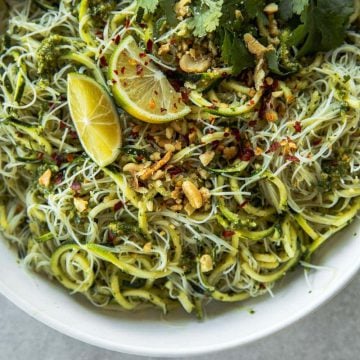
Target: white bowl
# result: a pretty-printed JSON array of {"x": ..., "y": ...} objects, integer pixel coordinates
[{"x": 147, "y": 333}]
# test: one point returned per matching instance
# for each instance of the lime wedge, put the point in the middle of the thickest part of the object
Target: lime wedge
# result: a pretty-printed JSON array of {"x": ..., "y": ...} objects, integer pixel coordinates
[
  {"x": 95, "y": 117},
  {"x": 140, "y": 88}
]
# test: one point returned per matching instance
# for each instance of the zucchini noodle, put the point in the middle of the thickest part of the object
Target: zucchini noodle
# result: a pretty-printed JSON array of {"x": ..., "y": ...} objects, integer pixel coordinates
[{"x": 277, "y": 168}]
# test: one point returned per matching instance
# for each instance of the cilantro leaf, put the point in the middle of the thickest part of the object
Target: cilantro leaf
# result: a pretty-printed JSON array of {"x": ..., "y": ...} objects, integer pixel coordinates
[
  {"x": 253, "y": 7},
  {"x": 288, "y": 8},
  {"x": 323, "y": 26},
  {"x": 299, "y": 6},
  {"x": 148, "y": 5},
  {"x": 206, "y": 17},
  {"x": 168, "y": 8},
  {"x": 235, "y": 53}
]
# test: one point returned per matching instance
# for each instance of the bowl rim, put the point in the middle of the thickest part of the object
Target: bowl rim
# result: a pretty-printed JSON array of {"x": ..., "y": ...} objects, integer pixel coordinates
[{"x": 57, "y": 325}]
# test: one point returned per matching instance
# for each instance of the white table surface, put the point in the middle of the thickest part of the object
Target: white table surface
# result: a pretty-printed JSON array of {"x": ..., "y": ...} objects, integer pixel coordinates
[{"x": 331, "y": 333}]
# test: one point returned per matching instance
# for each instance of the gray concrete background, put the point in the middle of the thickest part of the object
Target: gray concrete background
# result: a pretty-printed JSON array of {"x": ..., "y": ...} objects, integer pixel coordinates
[{"x": 331, "y": 333}]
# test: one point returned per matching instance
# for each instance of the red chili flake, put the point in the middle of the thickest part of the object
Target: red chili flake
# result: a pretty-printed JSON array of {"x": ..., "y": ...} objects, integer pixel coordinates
[
  {"x": 175, "y": 170},
  {"x": 215, "y": 144},
  {"x": 247, "y": 154},
  {"x": 139, "y": 69},
  {"x": 70, "y": 158},
  {"x": 58, "y": 178},
  {"x": 163, "y": 109},
  {"x": 273, "y": 147},
  {"x": 119, "y": 205},
  {"x": 176, "y": 84},
  {"x": 316, "y": 142},
  {"x": 142, "y": 55},
  {"x": 103, "y": 61},
  {"x": 292, "y": 158},
  {"x": 251, "y": 102},
  {"x": 116, "y": 72},
  {"x": 228, "y": 233},
  {"x": 99, "y": 34},
  {"x": 75, "y": 186},
  {"x": 155, "y": 92},
  {"x": 244, "y": 203},
  {"x": 143, "y": 25},
  {"x": 184, "y": 95},
  {"x": 297, "y": 126},
  {"x": 123, "y": 70},
  {"x": 226, "y": 134},
  {"x": 58, "y": 159},
  {"x": 113, "y": 81},
  {"x": 111, "y": 237},
  {"x": 224, "y": 74},
  {"x": 149, "y": 45},
  {"x": 146, "y": 63},
  {"x": 127, "y": 22},
  {"x": 73, "y": 134},
  {"x": 252, "y": 123},
  {"x": 63, "y": 125},
  {"x": 117, "y": 39},
  {"x": 236, "y": 133}
]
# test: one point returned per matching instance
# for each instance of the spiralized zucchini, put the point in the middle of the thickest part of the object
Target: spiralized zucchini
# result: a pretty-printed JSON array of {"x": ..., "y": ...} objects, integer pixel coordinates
[{"x": 272, "y": 191}]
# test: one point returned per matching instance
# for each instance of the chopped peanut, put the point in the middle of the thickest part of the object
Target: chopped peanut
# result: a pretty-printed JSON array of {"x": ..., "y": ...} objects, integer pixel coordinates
[
  {"x": 147, "y": 247},
  {"x": 254, "y": 46},
  {"x": 169, "y": 147},
  {"x": 158, "y": 175},
  {"x": 271, "y": 116},
  {"x": 206, "y": 263},
  {"x": 205, "y": 193},
  {"x": 155, "y": 156},
  {"x": 133, "y": 168},
  {"x": 80, "y": 204},
  {"x": 230, "y": 152},
  {"x": 169, "y": 132},
  {"x": 157, "y": 166},
  {"x": 271, "y": 8},
  {"x": 207, "y": 157},
  {"x": 189, "y": 209},
  {"x": 189, "y": 64},
  {"x": 164, "y": 49},
  {"x": 44, "y": 179},
  {"x": 193, "y": 194}
]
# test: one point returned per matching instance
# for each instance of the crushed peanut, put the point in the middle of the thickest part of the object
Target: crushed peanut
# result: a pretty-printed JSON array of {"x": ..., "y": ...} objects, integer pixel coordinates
[
  {"x": 45, "y": 178},
  {"x": 80, "y": 204},
  {"x": 205, "y": 193},
  {"x": 169, "y": 132},
  {"x": 254, "y": 46},
  {"x": 206, "y": 263},
  {"x": 207, "y": 157},
  {"x": 147, "y": 247},
  {"x": 157, "y": 166},
  {"x": 271, "y": 116},
  {"x": 193, "y": 194},
  {"x": 155, "y": 156},
  {"x": 189, "y": 209},
  {"x": 230, "y": 152},
  {"x": 271, "y": 8}
]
